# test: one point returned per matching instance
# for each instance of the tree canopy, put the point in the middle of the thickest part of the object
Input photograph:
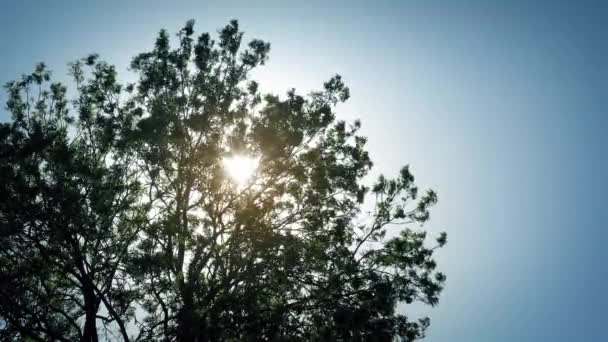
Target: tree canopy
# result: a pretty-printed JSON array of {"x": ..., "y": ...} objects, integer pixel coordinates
[{"x": 119, "y": 220}]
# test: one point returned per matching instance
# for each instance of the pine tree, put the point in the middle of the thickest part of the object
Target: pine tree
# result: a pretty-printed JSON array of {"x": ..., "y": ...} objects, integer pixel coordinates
[{"x": 119, "y": 218}]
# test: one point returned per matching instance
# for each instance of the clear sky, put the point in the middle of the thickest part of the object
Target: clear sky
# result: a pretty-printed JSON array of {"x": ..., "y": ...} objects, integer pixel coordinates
[{"x": 499, "y": 106}]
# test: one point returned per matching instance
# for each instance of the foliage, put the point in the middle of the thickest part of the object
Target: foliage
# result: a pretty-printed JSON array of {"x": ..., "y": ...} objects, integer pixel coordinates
[{"x": 118, "y": 220}]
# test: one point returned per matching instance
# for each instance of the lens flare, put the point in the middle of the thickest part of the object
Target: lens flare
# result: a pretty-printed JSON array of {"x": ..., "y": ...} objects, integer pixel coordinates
[{"x": 240, "y": 168}]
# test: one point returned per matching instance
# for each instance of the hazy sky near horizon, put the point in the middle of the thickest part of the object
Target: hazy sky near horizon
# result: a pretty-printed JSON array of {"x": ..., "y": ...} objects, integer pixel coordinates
[{"x": 501, "y": 107}]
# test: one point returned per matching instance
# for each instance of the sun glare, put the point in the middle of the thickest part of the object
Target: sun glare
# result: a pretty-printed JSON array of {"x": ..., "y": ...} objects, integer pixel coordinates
[{"x": 240, "y": 168}]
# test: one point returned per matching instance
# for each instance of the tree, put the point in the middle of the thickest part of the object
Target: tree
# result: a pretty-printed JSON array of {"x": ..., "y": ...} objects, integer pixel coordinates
[
  {"x": 123, "y": 219},
  {"x": 68, "y": 208}
]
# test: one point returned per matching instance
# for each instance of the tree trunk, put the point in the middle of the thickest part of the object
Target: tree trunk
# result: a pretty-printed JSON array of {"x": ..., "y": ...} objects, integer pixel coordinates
[{"x": 91, "y": 304}]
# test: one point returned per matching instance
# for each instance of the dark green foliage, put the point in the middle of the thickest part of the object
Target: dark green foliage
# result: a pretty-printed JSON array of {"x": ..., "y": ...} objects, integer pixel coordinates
[
  {"x": 68, "y": 208},
  {"x": 118, "y": 219}
]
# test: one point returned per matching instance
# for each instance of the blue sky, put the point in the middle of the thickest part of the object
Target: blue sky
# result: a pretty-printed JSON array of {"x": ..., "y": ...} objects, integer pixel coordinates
[{"x": 499, "y": 106}]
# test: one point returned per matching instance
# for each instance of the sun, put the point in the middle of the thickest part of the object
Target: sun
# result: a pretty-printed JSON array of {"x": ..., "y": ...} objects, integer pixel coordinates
[{"x": 240, "y": 168}]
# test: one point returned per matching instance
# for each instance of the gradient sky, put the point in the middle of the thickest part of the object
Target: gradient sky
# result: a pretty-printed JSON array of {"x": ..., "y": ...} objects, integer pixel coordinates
[{"x": 502, "y": 107}]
